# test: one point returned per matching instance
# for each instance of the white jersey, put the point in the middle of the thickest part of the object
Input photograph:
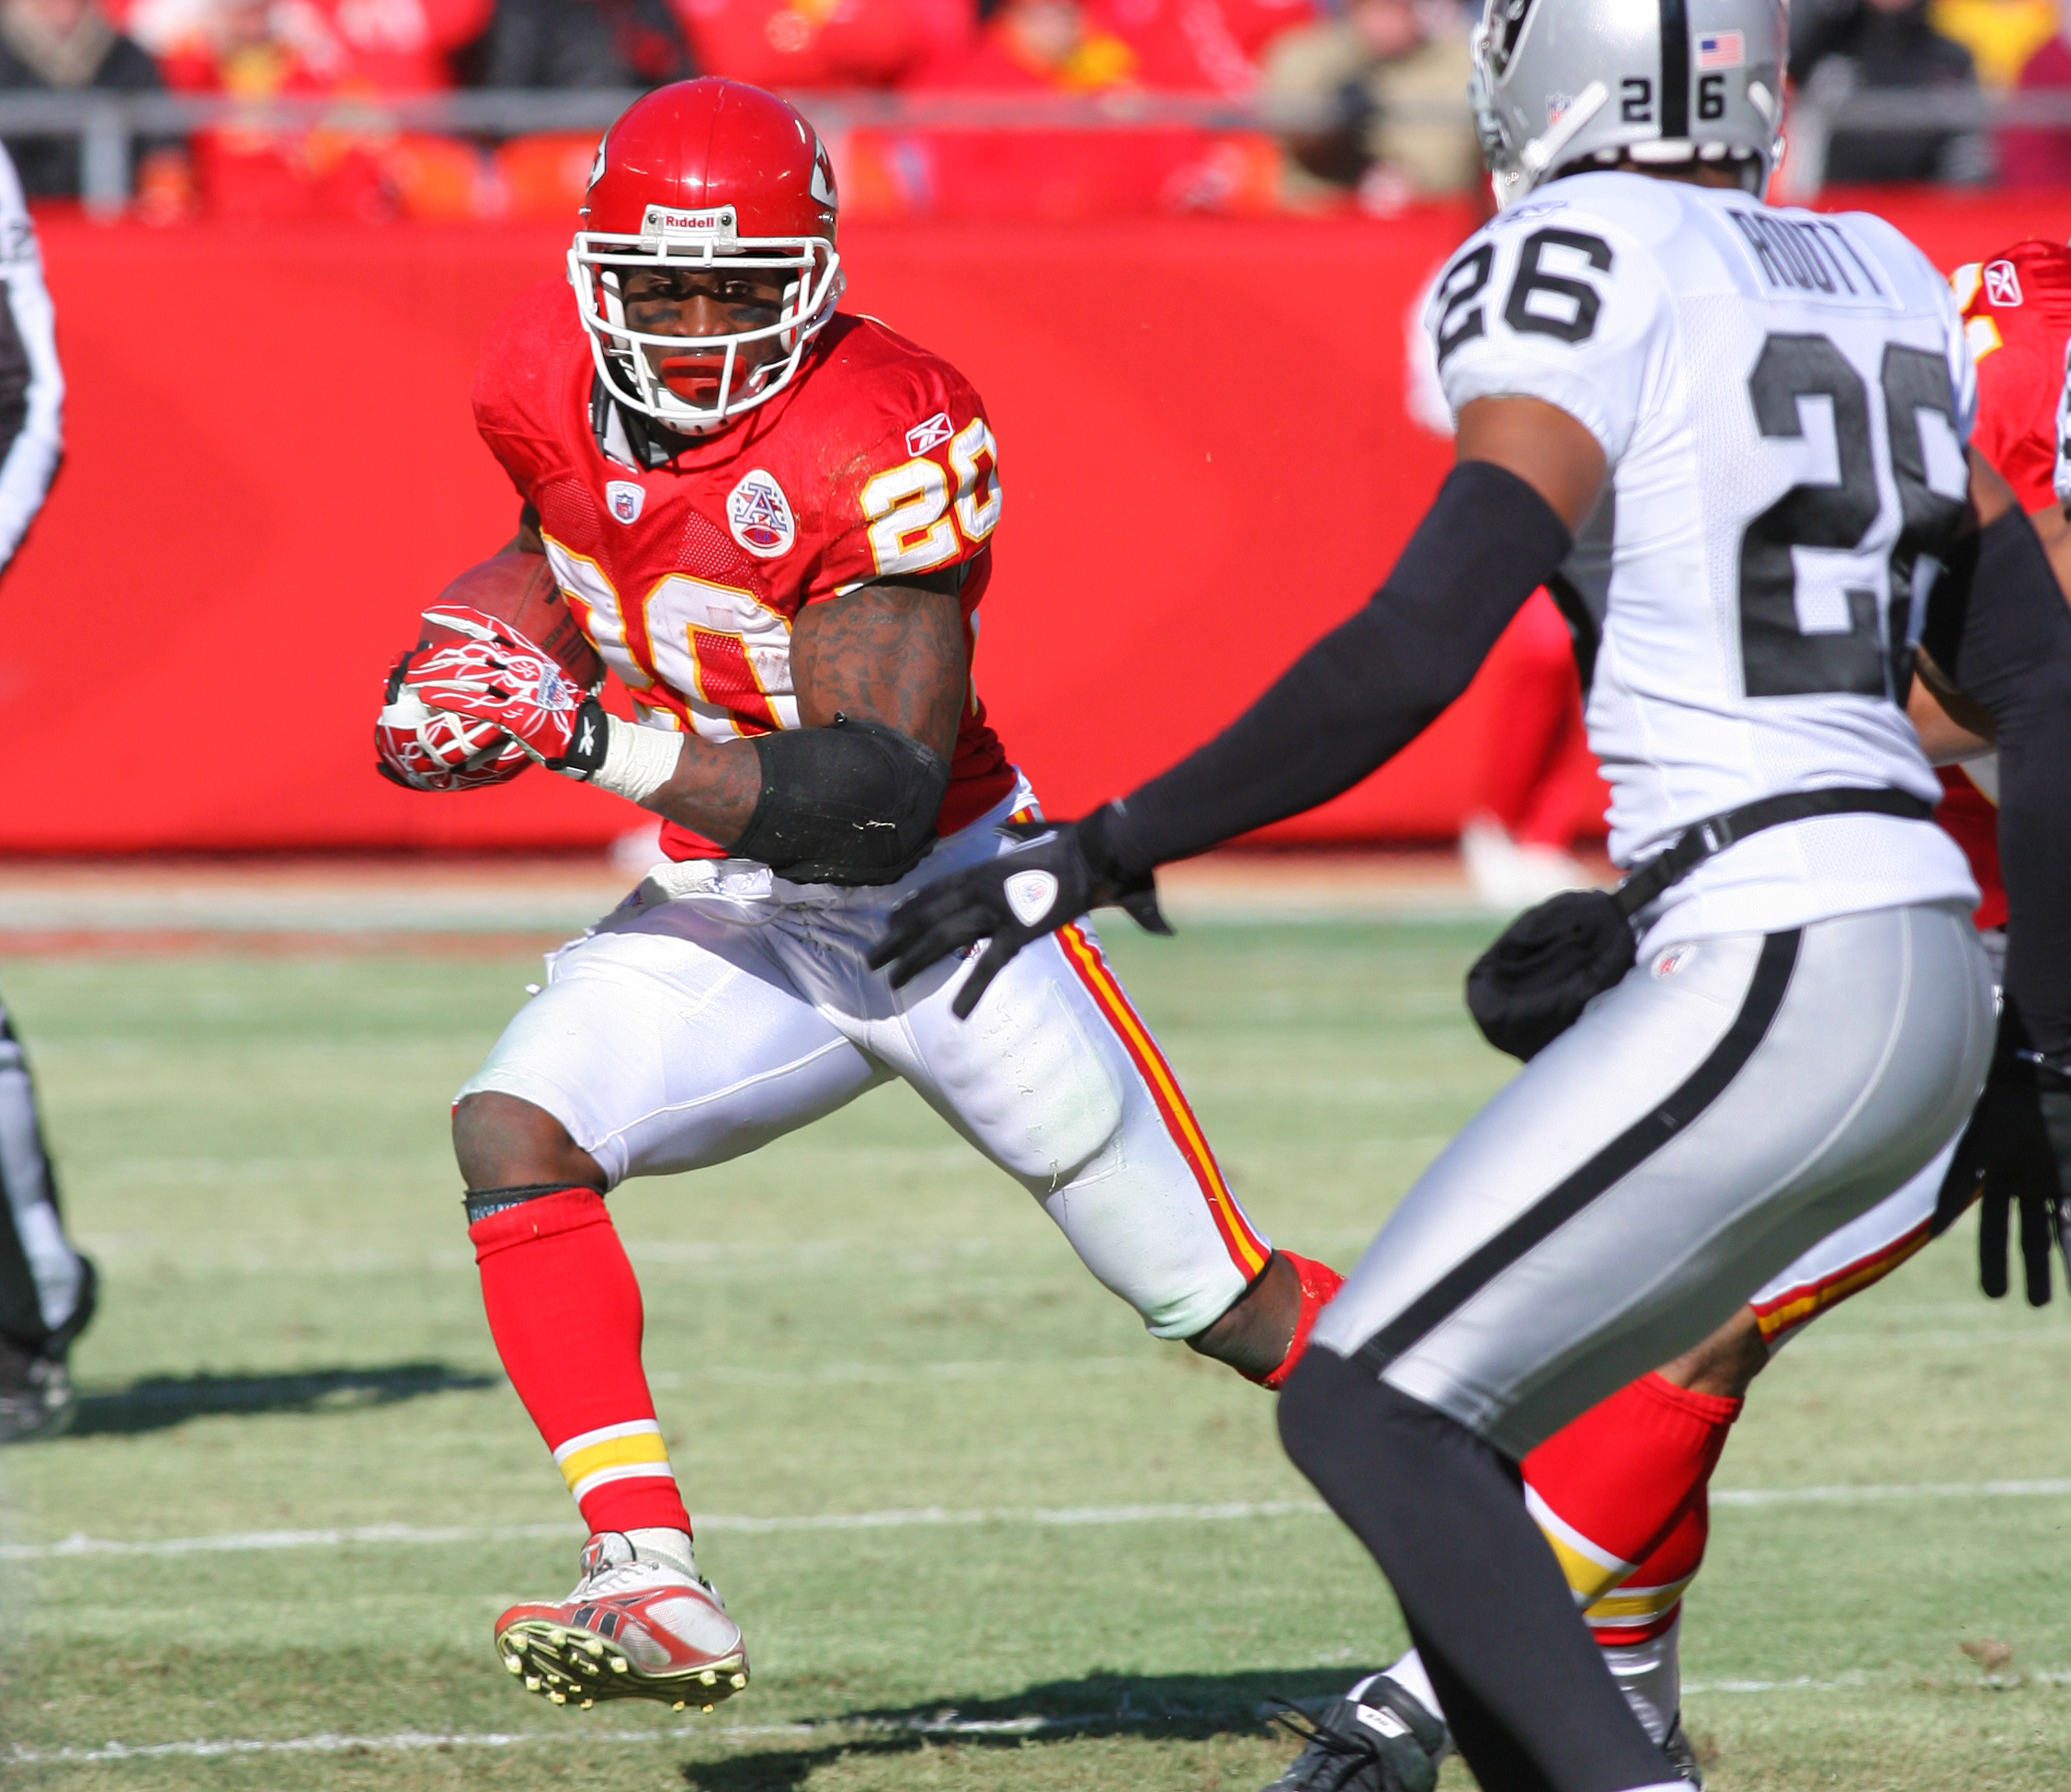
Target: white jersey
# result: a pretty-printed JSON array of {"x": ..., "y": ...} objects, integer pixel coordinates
[
  {"x": 1782, "y": 398},
  {"x": 31, "y": 385}
]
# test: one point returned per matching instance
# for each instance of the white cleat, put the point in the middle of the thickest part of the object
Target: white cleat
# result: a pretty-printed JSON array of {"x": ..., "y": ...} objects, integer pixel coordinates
[{"x": 635, "y": 1626}]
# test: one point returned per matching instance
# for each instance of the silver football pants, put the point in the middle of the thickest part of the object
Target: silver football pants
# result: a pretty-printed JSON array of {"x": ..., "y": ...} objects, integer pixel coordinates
[
  {"x": 1728, "y": 1105},
  {"x": 41, "y": 1278}
]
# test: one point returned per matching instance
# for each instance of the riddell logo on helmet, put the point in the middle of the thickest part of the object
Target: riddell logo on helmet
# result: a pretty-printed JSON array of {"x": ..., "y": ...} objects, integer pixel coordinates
[{"x": 713, "y": 226}]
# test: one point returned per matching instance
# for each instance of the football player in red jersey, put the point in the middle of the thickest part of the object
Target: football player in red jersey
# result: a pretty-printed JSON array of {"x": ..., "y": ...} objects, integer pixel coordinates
[
  {"x": 774, "y": 520},
  {"x": 1620, "y": 1491}
]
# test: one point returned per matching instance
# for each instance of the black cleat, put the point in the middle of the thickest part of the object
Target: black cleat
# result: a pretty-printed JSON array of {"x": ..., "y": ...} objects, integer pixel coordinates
[
  {"x": 1681, "y": 1756},
  {"x": 1381, "y": 1740},
  {"x": 35, "y": 1395},
  {"x": 37, "y": 1398}
]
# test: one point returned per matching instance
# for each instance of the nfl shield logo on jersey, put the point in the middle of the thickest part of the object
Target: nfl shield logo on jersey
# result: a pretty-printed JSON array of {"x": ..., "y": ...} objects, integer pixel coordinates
[
  {"x": 760, "y": 516},
  {"x": 625, "y": 499}
]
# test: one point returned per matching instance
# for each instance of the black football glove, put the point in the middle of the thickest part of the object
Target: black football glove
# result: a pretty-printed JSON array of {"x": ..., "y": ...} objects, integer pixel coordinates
[
  {"x": 2016, "y": 1149},
  {"x": 1060, "y": 870}
]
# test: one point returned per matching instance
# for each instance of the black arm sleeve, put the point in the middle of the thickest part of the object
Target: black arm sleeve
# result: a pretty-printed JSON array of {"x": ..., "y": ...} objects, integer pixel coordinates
[
  {"x": 1367, "y": 689},
  {"x": 2002, "y": 632}
]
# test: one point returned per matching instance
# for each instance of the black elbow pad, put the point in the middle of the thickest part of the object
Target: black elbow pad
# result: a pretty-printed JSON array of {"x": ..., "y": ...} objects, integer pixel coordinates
[{"x": 854, "y": 803}]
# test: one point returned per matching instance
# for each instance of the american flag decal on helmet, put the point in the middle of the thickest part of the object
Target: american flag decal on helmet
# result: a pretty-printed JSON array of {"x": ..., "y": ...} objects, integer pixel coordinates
[{"x": 1721, "y": 50}]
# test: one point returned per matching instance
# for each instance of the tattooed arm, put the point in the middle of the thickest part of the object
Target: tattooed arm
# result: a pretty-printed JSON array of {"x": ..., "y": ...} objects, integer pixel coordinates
[{"x": 892, "y": 654}]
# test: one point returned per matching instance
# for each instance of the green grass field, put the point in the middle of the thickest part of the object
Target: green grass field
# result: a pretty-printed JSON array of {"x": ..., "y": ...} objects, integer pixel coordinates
[{"x": 865, "y": 1321}]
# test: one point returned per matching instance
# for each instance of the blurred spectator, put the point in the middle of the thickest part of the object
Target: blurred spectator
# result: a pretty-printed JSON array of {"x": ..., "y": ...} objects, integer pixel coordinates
[
  {"x": 1377, "y": 56},
  {"x": 1880, "y": 44},
  {"x": 68, "y": 45},
  {"x": 828, "y": 43},
  {"x": 2000, "y": 35},
  {"x": 356, "y": 165},
  {"x": 1082, "y": 48},
  {"x": 2031, "y": 155},
  {"x": 1031, "y": 45},
  {"x": 256, "y": 48},
  {"x": 578, "y": 43}
]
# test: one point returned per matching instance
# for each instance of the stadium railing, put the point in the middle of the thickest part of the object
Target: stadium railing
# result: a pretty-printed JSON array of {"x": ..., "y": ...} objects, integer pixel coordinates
[{"x": 106, "y": 125}]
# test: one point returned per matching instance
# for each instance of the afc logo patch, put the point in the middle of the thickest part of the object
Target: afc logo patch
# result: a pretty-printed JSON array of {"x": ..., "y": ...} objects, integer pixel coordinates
[
  {"x": 624, "y": 498},
  {"x": 929, "y": 434},
  {"x": 760, "y": 516},
  {"x": 2002, "y": 284}
]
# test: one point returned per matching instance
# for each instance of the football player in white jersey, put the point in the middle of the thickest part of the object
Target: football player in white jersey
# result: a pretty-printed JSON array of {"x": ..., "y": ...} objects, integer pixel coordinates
[
  {"x": 1740, "y": 432},
  {"x": 47, "y": 1287}
]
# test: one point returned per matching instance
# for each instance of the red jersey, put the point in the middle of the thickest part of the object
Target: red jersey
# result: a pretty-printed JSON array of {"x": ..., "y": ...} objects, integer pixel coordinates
[
  {"x": 2016, "y": 319},
  {"x": 876, "y": 462}
]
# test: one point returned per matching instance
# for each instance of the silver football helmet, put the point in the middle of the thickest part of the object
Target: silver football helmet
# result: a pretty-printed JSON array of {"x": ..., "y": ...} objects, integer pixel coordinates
[{"x": 1644, "y": 83}]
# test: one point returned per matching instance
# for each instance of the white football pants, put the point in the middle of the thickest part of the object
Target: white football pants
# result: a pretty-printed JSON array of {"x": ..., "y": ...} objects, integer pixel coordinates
[{"x": 720, "y": 1006}]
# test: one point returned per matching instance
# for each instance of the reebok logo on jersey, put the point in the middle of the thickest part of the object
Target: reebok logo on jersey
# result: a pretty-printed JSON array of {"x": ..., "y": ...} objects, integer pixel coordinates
[
  {"x": 929, "y": 434},
  {"x": 760, "y": 516},
  {"x": 1674, "y": 959},
  {"x": 624, "y": 499},
  {"x": 2002, "y": 285},
  {"x": 1029, "y": 895}
]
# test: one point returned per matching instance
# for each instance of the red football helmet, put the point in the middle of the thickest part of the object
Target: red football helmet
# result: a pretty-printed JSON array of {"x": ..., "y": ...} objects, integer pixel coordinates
[{"x": 699, "y": 177}]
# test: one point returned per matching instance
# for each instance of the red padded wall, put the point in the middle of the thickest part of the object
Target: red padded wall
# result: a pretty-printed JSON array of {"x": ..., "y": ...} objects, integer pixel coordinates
[{"x": 270, "y": 465}]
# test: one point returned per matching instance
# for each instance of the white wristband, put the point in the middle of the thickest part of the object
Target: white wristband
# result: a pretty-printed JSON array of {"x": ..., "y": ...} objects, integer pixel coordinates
[{"x": 637, "y": 761}]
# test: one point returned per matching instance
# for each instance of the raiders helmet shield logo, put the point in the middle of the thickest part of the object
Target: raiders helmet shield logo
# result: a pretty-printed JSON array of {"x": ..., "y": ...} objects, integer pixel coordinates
[
  {"x": 760, "y": 516},
  {"x": 624, "y": 498}
]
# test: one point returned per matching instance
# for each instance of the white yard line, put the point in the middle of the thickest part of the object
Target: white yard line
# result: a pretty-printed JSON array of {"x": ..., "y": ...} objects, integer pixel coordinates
[
  {"x": 1848, "y": 1493},
  {"x": 407, "y": 1741},
  {"x": 910, "y": 1517},
  {"x": 898, "y": 1518}
]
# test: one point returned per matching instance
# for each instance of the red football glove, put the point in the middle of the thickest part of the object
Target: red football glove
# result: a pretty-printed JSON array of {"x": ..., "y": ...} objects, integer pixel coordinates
[
  {"x": 498, "y": 680},
  {"x": 425, "y": 749}
]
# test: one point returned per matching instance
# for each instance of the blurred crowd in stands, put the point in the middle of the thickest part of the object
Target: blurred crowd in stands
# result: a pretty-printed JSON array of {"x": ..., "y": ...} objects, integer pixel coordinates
[{"x": 1390, "y": 73}]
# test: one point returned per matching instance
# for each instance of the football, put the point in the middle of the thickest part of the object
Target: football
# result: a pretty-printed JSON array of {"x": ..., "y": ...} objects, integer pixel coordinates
[{"x": 521, "y": 589}]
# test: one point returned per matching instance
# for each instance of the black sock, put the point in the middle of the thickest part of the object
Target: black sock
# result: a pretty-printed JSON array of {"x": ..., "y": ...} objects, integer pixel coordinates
[
  {"x": 1496, "y": 1758},
  {"x": 1530, "y": 1703}
]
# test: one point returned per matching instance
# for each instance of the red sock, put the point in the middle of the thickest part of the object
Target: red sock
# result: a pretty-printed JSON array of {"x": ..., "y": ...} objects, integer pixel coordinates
[
  {"x": 564, "y": 1309},
  {"x": 1608, "y": 1488},
  {"x": 1318, "y": 1282},
  {"x": 1648, "y": 1600}
]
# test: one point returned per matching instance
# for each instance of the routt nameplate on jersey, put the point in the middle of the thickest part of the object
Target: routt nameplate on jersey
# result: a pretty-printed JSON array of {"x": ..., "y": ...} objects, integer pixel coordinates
[{"x": 1531, "y": 985}]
